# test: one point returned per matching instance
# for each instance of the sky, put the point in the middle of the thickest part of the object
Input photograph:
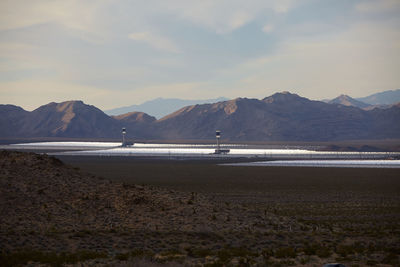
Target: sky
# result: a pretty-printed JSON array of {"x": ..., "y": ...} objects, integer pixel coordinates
[{"x": 113, "y": 53}]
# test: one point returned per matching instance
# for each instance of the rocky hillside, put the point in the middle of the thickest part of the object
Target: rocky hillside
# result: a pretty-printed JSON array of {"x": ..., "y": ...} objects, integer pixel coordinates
[{"x": 53, "y": 213}]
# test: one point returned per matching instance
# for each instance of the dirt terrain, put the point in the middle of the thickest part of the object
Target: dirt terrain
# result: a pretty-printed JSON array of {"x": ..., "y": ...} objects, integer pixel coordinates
[{"x": 132, "y": 212}]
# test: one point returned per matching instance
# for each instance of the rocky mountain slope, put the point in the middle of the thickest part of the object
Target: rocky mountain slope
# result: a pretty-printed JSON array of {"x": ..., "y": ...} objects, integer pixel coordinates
[
  {"x": 70, "y": 119},
  {"x": 280, "y": 117}
]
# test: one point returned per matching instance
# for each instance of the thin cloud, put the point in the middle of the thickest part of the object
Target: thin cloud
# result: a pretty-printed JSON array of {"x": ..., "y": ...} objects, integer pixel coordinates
[
  {"x": 355, "y": 60},
  {"x": 268, "y": 28},
  {"x": 226, "y": 46},
  {"x": 378, "y": 6},
  {"x": 156, "y": 41},
  {"x": 225, "y": 16}
]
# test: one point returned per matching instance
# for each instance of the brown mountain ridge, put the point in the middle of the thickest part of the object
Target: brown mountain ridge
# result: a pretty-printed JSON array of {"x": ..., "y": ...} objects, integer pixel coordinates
[{"x": 280, "y": 117}]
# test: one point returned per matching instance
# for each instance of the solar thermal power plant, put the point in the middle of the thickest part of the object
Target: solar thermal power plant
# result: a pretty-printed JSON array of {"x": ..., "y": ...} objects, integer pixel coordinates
[{"x": 254, "y": 155}]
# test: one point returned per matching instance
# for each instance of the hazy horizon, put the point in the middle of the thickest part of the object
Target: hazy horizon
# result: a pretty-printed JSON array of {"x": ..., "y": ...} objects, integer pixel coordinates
[
  {"x": 221, "y": 98},
  {"x": 116, "y": 53}
]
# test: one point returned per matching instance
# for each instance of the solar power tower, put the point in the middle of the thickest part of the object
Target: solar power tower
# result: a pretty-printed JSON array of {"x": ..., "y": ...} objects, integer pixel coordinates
[
  {"x": 219, "y": 150},
  {"x": 218, "y": 136},
  {"x": 123, "y": 137}
]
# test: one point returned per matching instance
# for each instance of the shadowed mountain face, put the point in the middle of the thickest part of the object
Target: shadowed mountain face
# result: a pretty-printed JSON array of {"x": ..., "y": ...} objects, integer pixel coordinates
[
  {"x": 280, "y": 117},
  {"x": 348, "y": 101},
  {"x": 11, "y": 120},
  {"x": 138, "y": 124}
]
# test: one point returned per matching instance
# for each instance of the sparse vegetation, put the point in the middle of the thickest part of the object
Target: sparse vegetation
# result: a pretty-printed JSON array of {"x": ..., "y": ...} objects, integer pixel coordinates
[
  {"x": 218, "y": 216},
  {"x": 51, "y": 258}
]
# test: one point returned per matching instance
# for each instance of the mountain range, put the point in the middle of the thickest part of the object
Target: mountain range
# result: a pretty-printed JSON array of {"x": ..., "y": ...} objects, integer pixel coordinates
[
  {"x": 388, "y": 97},
  {"x": 382, "y": 100},
  {"x": 161, "y": 107},
  {"x": 280, "y": 117}
]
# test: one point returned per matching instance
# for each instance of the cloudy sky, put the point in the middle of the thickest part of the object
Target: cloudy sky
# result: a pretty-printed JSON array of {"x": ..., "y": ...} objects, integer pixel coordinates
[{"x": 113, "y": 53}]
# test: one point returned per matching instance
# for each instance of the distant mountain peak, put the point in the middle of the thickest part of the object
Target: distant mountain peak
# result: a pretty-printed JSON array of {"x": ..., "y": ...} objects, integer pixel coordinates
[
  {"x": 284, "y": 96},
  {"x": 68, "y": 106},
  {"x": 61, "y": 106},
  {"x": 135, "y": 117},
  {"x": 346, "y": 100}
]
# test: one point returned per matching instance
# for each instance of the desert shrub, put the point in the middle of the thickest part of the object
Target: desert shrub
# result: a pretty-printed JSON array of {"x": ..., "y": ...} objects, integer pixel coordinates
[
  {"x": 317, "y": 249},
  {"x": 214, "y": 264},
  {"x": 392, "y": 259},
  {"x": 141, "y": 253},
  {"x": 323, "y": 252},
  {"x": 344, "y": 250},
  {"x": 228, "y": 253},
  {"x": 305, "y": 260},
  {"x": 170, "y": 252},
  {"x": 122, "y": 256},
  {"x": 83, "y": 256},
  {"x": 371, "y": 262},
  {"x": 200, "y": 252},
  {"x": 285, "y": 252},
  {"x": 50, "y": 258},
  {"x": 82, "y": 233},
  {"x": 170, "y": 255},
  {"x": 310, "y": 249},
  {"x": 285, "y": 262},
  {"x": 224, "y": 255}
]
